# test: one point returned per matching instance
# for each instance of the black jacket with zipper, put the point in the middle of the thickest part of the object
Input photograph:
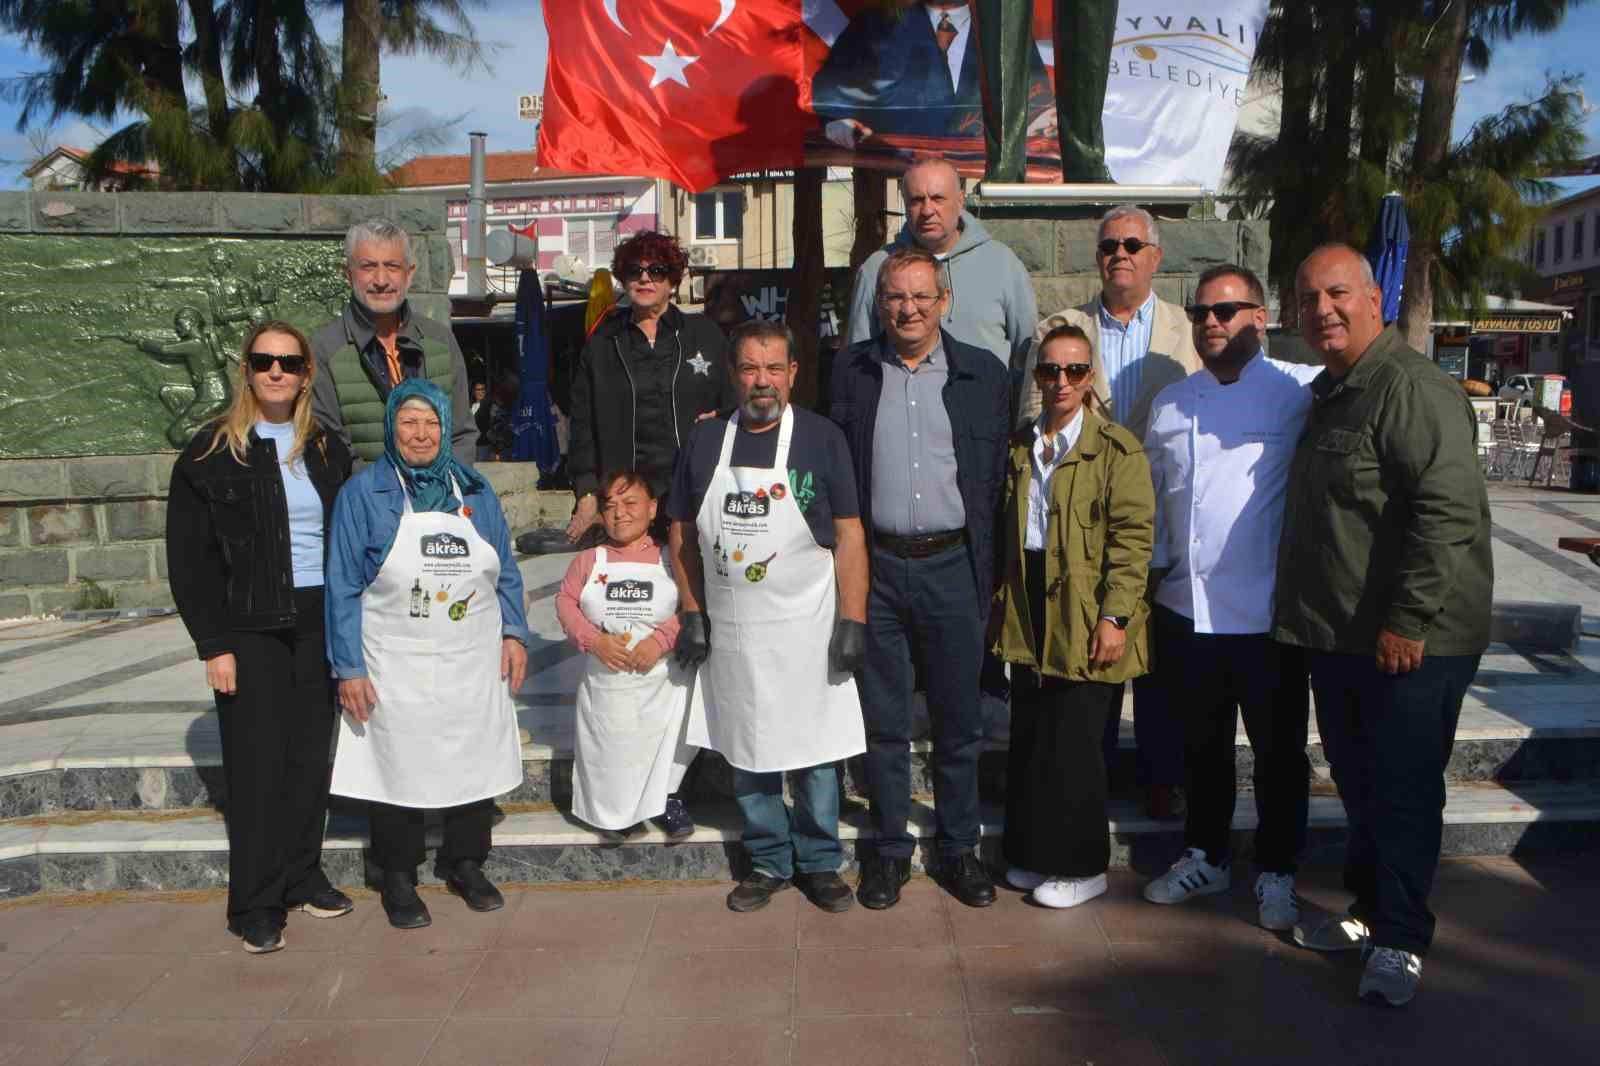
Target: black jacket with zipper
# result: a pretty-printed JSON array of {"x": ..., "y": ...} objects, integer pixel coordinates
[
  {"x": 604, "y": 402},
  {"x": 228, "y": 554}
]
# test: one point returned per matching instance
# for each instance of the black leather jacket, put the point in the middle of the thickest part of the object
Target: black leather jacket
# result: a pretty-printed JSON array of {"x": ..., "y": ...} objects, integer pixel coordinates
[{"x": 228, "y": 552}]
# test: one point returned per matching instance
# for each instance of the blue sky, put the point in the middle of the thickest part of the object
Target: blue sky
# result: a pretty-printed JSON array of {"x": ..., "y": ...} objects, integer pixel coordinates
[{"x": 424, "y": 94}]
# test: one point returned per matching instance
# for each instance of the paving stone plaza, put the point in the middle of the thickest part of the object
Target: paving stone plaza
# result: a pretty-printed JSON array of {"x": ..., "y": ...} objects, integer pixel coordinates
[{"x": 113, "y": 858}]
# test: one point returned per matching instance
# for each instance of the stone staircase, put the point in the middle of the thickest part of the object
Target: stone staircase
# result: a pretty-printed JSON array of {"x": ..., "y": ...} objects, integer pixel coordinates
[{"x": 110, "y": 771}]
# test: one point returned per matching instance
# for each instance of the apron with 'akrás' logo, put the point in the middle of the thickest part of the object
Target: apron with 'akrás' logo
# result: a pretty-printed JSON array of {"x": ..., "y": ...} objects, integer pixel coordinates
[
  {"x": 444, "y": 731},
  {"x": 629, "y": 750},
  {"x": 765, "y": 697}
]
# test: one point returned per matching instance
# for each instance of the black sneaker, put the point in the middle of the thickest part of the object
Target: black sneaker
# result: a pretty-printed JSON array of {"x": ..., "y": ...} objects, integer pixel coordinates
[
  {"x": 261, "y": 933},
  {"x": 675, "y": 821},
  {"x": 755, "y": 892},
  {"x": 329, "y": 903},
  {"x": 467, "y": 880},
  {"x": 968, "y": 880},
  {"x": 882, "y": 877},
  {"x": 827, "y": 890},
  {"x": 401, "y": 902}
]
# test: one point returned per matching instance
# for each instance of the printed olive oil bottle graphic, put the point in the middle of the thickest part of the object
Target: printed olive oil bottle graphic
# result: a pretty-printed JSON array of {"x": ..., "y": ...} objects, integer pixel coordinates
[{"x": 416, "y": 598}]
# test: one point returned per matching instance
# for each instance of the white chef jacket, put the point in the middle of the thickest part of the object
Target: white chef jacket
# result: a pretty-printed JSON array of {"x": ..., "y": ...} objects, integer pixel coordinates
[
  {"x": 1066, "y": 439},
  {"x": 1220, "y": 455}
]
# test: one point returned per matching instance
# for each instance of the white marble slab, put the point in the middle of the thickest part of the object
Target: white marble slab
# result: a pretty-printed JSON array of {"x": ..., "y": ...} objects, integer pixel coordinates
[{"x": 19, "y": 841}]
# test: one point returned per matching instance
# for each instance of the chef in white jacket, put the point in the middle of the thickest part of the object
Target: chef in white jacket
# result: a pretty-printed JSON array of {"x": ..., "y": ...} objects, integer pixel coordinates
[{"x": 772, "y": 569}]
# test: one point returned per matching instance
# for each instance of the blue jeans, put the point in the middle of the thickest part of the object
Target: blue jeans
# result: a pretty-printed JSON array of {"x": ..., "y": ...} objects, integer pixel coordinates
[{"x": 781, "y": 840}]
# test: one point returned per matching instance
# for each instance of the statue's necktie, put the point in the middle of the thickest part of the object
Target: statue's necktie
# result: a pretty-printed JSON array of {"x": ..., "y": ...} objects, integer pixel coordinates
[
  {"x": 1048, "y": 455},
  {"x": 945, "y": 33}
]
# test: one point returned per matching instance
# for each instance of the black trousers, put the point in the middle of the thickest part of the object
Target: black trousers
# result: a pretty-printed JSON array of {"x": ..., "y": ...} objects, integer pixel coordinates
[
  {"x": 1388, "y": 739},
  {"x": 1055, "y": 767},
  {"x": 1216, "y": 678},
  {"x": 1158, "y": 732},
  {"x": 397, "y": 835},
  {"x": 923, "y": 611},
  {"x": 277, "y": 729}
]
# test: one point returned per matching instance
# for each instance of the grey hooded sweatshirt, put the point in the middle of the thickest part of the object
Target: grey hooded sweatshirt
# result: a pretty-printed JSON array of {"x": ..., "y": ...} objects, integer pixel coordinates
[{"x": 992, "y": 304}]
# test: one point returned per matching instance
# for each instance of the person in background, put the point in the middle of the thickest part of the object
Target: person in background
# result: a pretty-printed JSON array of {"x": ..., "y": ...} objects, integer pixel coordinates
[
  {"x": 646, "y": 374},
  {"x": 378, "y": 341},
  {"x": 494, "y": 418},
  {"x": 618, "y": 603},
  {"x": 246, "y": 521},
  {"x": 1070, "y": 617},
  {"x": 480, "y": 392},
  {"x": 1220, "y": 443},
  {"x": 427, "y": 637}
]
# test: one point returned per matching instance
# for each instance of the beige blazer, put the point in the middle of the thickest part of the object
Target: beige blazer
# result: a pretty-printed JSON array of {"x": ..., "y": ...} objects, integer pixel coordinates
[{"x": 1171, "y": 358}]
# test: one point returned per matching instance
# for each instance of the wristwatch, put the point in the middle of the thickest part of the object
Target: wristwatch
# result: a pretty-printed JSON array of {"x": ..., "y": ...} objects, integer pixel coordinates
[{"x": 1120, "y": 621}]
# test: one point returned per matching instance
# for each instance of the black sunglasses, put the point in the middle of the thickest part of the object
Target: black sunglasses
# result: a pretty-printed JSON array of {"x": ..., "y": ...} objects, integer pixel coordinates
[
  {"x": 657, "y": 272},
  {"x": 1049, "y": 372},
  {"x": 261, "y": 362},
  {"x": 1224, "y": 311},
  {"x": 1134, "y": 245}
]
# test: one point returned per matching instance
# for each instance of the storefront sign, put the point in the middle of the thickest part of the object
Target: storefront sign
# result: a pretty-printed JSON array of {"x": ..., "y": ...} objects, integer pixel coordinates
[
  {"x": 1515, "y": 323},
  {"x": 584, "y": 204}
]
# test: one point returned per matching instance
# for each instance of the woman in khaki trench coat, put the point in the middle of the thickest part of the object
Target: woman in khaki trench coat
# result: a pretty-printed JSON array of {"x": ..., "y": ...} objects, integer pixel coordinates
[{"x": 1078, "y": 531}]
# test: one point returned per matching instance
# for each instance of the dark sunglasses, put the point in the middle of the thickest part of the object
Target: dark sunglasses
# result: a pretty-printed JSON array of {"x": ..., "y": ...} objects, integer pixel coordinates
[
  {"x": 261, "y": 362},
  {"x": 1224, "y": 311},
  {"x": 1047, "y": 373},
  {"x": 1133, "y": 245},
  {"x": 657, "y": 272}
]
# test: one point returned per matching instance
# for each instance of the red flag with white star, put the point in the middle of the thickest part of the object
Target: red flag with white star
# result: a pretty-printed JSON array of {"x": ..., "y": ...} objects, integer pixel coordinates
[{"x": 688, "y": 90}]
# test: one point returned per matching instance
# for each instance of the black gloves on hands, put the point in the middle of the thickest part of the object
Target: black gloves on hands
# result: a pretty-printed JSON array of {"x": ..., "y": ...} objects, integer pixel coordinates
[
  {"x": 694, "y": 639},
  {"x": 847, "y": 651}
]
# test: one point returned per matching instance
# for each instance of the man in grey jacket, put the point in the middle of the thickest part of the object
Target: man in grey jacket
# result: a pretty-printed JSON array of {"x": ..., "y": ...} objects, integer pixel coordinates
[{"x": 992, "y": 305}]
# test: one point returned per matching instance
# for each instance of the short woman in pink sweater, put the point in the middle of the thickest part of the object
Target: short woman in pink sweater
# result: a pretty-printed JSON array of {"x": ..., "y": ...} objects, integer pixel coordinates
[{"x": 619, "y": 605}]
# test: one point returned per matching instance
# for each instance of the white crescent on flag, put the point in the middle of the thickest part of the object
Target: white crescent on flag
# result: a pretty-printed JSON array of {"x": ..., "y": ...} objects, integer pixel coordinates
[
  {"x": 727, "y": 10},
  {"x": 611, "y": 13}
]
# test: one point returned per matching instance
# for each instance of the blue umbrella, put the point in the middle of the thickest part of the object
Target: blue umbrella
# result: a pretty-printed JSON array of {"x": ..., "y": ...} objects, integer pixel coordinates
[
  {"x": 1391, "y": 238},
  {"x": 533, "y": 429}
]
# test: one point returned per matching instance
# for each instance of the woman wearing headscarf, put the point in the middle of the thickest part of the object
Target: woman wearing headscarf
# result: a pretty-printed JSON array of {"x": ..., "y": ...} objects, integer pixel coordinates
[
  {"x": 427, "y": 637},
  {"x": 246, "y": 516}
]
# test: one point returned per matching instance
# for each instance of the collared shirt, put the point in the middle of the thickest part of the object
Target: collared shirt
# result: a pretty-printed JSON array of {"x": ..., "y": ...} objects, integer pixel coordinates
[
  {"x": 1122, "y": 352},
  {"x": 913, "y": 449},
  {"x": 407, "y": 354},
  {"x": 1220, "y": 457},
  {"x": 1064, "y": 440},
  {"x": 961, "y": 19}
]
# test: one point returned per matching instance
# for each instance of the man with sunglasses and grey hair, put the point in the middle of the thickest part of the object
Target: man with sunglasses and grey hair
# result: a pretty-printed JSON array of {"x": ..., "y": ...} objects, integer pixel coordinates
[
  {"x": 1220, "y": 445},
  {"x": 1140, "y": 344},
  {"x": 378, "y": 340}
]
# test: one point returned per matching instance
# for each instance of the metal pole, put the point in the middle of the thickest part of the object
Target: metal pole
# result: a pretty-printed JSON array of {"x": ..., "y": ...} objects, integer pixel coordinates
[{"x": 477, "y": 221}]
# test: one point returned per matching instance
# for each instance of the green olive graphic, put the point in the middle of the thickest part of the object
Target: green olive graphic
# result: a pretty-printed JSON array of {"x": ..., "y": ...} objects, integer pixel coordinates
[
  {"x": 758, "y": 571},
  {"x": 458, "y": 609}
]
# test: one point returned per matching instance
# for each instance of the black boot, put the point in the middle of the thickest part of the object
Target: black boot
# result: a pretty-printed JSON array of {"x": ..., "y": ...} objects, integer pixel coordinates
[
  {"x": 401, "y": 902},
  {"x": 881, "y": 879},
  {"x": 466, "y": 879},
  {"x": 826, "y": 889},
  {"x": 968, "y": 881}
]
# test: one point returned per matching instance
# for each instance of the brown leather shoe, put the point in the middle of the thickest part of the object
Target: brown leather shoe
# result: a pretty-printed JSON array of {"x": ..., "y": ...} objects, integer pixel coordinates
[{"x": 1165, "y": 803}]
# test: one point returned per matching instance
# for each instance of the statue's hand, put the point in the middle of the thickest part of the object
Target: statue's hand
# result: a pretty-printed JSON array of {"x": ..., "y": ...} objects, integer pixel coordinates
[{"x": 1045, "y": 125}]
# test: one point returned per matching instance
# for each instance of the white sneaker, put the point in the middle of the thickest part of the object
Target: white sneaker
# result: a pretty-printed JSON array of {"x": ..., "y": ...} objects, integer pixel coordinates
[
  {"x": 1062, "y": 892},
  {"x": 1189, "y": 876},
  {"x": 1391, "y": 977},
  {"x": 1339, "y": 932},
  {"x": 1276, "y": 906},
  {"x": 1024, "y": 880}
]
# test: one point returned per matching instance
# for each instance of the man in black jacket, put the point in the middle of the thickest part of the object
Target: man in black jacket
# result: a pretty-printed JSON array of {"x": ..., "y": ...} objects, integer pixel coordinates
[
  {"x": 926, "y": 417},
  {"x": 647, "y": 373}
]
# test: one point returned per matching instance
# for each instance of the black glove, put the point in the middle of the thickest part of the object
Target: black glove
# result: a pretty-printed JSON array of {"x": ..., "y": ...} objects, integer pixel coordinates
[
  {"x": 694, "y": 639},
  {"x": 847, "y": 651}
]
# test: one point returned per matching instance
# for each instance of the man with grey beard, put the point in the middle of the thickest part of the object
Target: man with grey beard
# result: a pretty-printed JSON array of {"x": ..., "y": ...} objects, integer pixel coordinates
[{"x": 771, "y": 564}]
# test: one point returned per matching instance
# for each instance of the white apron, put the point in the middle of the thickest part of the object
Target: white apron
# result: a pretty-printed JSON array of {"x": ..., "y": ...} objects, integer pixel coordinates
[
  {"x": 629, "y": 750},
  {"x": 765, "y": 697},
  {"x": 444, "y": 731}
]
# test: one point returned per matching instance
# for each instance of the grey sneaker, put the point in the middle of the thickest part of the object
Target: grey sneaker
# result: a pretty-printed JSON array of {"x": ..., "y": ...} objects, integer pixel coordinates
[
  {"x": 1391, "y": 977},
  {"x": 1337, "y": 932},
  {"x": 1277, "y": 908}
]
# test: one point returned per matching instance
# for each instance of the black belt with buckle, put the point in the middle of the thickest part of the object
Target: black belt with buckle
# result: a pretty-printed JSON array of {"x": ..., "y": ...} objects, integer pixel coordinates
[{"x": 918, "y": 545}]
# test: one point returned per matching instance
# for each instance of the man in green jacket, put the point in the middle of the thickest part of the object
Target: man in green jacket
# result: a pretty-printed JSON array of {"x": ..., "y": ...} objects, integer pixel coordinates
[{"x": 1385, "y": 577}]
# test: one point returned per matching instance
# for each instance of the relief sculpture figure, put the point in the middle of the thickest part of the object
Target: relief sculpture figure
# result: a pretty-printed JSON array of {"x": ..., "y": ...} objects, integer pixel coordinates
[
  {"x": 196, "y": 348},
  {"x": 234, "y": 302}
]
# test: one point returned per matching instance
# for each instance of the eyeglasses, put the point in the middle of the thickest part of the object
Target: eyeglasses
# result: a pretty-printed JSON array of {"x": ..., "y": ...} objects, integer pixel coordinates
[
  {"x": 657, "y": 272},
  {"x": 920, "y": 300},
  {"x": 1048, "y": 373},
  {"x": 1133, "y": 245},
  {"x": 1224, "y": 311},
  {"x": 261, "y": 362}
]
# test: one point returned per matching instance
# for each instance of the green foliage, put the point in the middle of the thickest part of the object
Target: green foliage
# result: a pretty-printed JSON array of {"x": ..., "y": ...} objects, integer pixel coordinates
[{"x": 93, "y": 596}]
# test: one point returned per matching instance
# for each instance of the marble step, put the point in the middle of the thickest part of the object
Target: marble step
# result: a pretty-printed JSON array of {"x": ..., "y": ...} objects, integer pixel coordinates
[
  {"x": 83, "y": 852},
  {"x": 171, "y": 759}
]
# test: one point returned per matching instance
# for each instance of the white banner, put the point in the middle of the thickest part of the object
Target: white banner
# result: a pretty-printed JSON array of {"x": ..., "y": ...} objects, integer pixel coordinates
[{"x": 1176, "y": 86}]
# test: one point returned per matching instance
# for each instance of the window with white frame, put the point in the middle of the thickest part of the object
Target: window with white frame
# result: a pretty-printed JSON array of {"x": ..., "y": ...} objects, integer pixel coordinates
[
  {"x": 1577, "y": 238},
  {"x": 1558, "y": 246},
  {"x": 719, "y": 216}
]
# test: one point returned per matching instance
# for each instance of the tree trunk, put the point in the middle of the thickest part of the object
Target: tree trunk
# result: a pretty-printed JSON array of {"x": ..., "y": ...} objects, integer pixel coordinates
[
  {"x": 358, "y": 93},
  {"x": 163, "y": 74},
  {"x": 1338, "y": 112},
  {"x": 1440, "y": 80},
  {"x": 208, "y": 63},
  {"x": 805, "y": 288},
  {"x": 871, "y": 225},
  {"x": 1289, "y": 210},
  {"x": 1378, "y": 89}
]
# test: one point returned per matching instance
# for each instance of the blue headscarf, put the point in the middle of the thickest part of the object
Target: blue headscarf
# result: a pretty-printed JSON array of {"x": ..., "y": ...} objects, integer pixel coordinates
[{"x": 429, "y": 486}]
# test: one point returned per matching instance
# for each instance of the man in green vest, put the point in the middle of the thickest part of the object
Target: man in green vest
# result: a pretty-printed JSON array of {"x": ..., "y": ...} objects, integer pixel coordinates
[{"x": 377, "y": 341}]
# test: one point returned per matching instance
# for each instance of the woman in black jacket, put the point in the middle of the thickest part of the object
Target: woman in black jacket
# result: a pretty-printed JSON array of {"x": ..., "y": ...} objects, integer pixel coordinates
[
  {"x": 646, "y": 374},
  {"x": 250, "y": 502}
]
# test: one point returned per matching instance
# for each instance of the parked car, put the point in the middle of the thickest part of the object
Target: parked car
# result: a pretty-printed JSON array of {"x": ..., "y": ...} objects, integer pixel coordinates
[{"x": 1522, "y": 387}]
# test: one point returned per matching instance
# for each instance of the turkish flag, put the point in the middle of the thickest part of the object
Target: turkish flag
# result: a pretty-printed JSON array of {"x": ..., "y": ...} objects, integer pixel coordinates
[{"x": 688, "y": 90}]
